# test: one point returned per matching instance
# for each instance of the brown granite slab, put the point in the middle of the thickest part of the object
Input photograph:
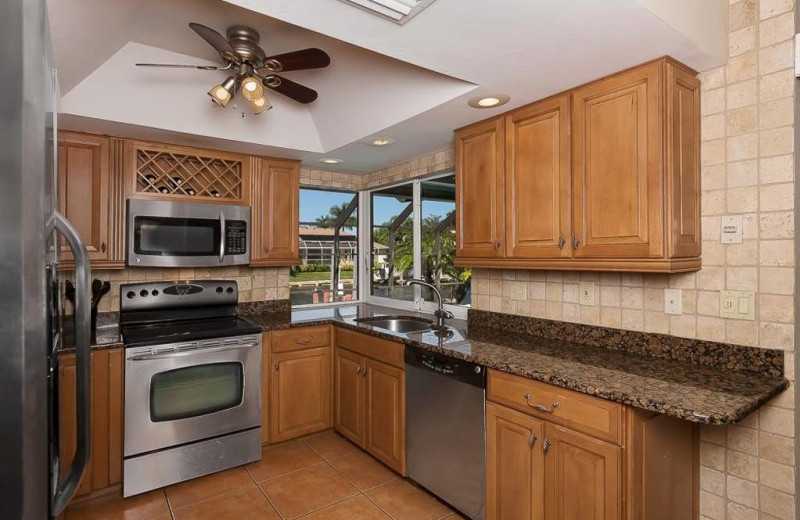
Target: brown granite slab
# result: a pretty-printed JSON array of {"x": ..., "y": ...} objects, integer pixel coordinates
[{"x": 689, "y": 387}]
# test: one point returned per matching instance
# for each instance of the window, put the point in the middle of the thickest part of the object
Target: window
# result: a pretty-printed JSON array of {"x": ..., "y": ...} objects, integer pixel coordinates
[
  {"x": 413, "y": 236},
  {"x": 328, "y": 238}
]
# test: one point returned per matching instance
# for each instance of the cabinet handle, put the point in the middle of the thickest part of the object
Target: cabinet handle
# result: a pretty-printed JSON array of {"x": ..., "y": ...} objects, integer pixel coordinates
[
  {"x": 277, "y": 366},
  {"x": 364, "y": 372},
  {"x": 546, "y": 445},
  {"x": 103, "y": 247},
  {"x": 303, "y": 341},
  {"x": 531, "y": 439},
  {"x": 575, "y": 242},
  {"x": 496, "y": 245},
  {"x": 539, "y": 407},
  {"x": 561, "y": 242},
  {"x": 358, "y": 370}
]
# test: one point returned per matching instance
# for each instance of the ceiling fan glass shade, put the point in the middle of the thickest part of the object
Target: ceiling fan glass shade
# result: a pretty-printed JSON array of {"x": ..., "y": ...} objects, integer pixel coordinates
[
  {"x": 261, "y": 104},
  {"x": 222, "y": 93},
  {"x": 252, "y": 89}
]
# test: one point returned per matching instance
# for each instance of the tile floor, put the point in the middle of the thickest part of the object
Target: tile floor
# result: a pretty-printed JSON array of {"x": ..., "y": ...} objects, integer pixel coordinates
[{"x": 319, "y": 477}]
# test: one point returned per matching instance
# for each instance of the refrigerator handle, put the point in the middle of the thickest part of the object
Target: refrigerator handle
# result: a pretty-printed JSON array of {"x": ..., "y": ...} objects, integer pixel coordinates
[{"x": 65, "y": 487}]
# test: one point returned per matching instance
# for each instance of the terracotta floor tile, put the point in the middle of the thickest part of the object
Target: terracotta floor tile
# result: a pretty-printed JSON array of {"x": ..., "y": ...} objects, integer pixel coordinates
[
  {"x": 282, "y": 459},
  {"x": 114, "y": 507},
  {"x": 245, "y": 504},
  {"x": 363, "y": 471},
  {"x": 203, "y": 488},
  {"x": 356, "y": 508},
  {"x": 405, "y": 502},
  {"x": 307, "y": 490},
  {"x": 330, "y": 445}
]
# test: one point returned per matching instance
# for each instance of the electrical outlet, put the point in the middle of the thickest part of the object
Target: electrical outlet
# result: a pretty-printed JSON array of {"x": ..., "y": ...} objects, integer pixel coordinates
[
  {"x": 673, "y": 301},
  {"x": 731, "y": 229},
  {"x": 587, "y": 293},
  {"x": 739, "y": 305}
]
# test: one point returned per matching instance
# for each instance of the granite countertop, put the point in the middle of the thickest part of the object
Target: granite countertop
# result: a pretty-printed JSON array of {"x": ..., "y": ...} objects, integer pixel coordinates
[{"x": 691, "y": 391}]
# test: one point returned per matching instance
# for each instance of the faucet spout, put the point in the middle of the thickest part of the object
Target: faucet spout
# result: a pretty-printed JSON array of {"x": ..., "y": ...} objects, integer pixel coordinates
[{"x": 440, "y": 313}]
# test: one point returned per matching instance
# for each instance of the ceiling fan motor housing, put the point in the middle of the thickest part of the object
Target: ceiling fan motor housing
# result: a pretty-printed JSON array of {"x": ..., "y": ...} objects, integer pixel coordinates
[{"x": 244, "y": 41}]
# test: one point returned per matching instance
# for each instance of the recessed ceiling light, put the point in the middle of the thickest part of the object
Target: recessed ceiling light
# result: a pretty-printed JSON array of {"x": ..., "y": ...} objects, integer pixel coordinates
[
  {"x": 490, "y": 101},
  {"x": 380, "y": 141},
  {"x": 331, "y": 160}
]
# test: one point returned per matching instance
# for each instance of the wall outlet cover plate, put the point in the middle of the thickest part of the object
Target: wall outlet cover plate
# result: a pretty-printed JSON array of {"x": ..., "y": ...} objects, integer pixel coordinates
[
  {"x": 738, "y": 305},
  {"x": 586, "y": 293}
]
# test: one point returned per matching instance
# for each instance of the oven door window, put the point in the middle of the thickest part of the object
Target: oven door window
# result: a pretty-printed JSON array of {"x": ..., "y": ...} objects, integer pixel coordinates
[
  {"x": 195, "y": 391},
  {"x": 169, "y": 236}
]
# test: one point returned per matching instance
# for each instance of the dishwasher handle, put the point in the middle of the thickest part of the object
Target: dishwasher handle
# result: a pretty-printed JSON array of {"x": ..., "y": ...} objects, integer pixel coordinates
[{"x": 446, "y": 366}]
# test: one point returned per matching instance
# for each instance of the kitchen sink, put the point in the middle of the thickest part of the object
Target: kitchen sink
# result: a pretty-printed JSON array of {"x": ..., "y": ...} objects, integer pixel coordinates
[{"x": 402, "y": 324}]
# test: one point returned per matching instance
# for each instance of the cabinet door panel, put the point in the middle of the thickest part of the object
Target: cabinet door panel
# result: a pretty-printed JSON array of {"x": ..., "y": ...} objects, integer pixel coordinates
[
  {"x": 538, "y": 180},
  {"x": 300, "y": 398},
  {"x": 83, "y": 191},
  {"x": 480, "y": 211},
  {"x": 515, "y": 465},
  {"x": 386, "y": 414},
  {"x": 276, "y": 201},
  {"x": 617, "y": 183},
  {"x": 350, "y": 396},
  {"x": 582, "y": 477}
]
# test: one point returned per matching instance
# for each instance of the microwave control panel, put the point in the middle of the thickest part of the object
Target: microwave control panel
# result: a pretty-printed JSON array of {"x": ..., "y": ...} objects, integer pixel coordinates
[{"x": 236, "y": 237}]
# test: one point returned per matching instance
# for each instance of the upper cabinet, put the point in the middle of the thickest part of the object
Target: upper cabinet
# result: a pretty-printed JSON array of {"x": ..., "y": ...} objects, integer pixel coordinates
[
  {"x": 604, "y": 177},
  {"x": 275, "y": 219},
  {"x": 89, "y": 196}
]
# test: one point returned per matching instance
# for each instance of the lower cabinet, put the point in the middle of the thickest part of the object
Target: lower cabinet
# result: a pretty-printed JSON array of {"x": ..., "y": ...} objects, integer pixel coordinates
[
  {"x": 105, "y": 464},
  {"x": 370, "y": 396},
  {"x": 550, "y": 464},
  {"x": 300, "y": 399}
]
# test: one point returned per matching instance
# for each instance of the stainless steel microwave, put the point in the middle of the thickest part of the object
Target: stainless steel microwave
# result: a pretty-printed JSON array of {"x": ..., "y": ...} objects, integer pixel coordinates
[{"x": 187, "y": 234}]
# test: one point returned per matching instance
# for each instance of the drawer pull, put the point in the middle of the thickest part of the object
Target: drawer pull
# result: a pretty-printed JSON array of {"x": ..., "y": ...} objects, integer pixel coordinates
[
  {"x": 539, "y": 407},
  {"x": 531, "y": 439},
  {"x": 303, "y": 341},
  {"x": 546, "y": 445}
]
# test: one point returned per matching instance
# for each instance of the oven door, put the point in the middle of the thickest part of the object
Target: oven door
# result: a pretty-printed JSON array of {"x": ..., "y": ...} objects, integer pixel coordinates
[
  {"x": 185, "y": 392},
  {"x": 180, "y": 234}
]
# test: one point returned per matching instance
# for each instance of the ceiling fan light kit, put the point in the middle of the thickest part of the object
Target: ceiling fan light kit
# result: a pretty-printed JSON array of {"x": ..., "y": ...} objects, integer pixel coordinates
[{"x": 253, "y": 69}]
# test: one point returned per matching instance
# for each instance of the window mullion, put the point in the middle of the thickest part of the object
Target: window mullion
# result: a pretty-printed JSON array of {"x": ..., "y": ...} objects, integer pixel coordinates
[{"x": 417, "y": 192}]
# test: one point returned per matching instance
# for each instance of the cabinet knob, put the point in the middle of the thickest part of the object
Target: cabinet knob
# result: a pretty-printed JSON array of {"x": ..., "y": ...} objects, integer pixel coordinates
[
  {"x": 546, "y": 445},
  {"x": 561, "y": 242},
  {"x": 496, "y": 245},
  {"x": 575, "y": 242},
  {"x": 277, "y": 366},
  {"x": 364, "y": 371},
  {"x": 531, "y": 439},
  {"x": 103, "y": 247}
]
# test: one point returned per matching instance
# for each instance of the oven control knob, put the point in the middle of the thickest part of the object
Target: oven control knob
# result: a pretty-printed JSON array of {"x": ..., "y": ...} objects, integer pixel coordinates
[
  {"x": 143, "y": 292},
  {"x": 229, "y": 290},
  {"x": 219, "y": 290},
  {"x": 131, "y": 295}
]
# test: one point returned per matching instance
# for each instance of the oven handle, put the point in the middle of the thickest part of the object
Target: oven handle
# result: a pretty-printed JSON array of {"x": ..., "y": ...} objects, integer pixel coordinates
[
  {"x": 221, "y": 236},
  {"x": 185, "y": 353}
]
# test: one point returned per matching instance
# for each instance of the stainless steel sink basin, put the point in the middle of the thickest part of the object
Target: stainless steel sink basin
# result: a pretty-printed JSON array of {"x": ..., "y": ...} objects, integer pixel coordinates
[{"x": 402, "y": 324}]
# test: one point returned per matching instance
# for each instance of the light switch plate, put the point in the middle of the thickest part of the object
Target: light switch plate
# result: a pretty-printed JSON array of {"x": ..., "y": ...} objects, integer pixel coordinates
[
  {"x": 673, "y": 301},
  {"x": 587, "y": 293},
  {"x": 739, "y": 305},
  {"x": 731, "y": 229}
]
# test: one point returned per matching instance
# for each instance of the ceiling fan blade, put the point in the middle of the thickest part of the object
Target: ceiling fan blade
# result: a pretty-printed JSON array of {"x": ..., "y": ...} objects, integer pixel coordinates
[
  {"x": 173, "y": 66},
  {"x": 291, "y": 89},
  {"x": 217, "y": 41},
  {"x": 298, "y": 60}
]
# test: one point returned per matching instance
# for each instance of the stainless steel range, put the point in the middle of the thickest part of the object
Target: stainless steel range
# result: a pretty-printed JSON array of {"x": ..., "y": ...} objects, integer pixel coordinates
[{"x": 192, "y": 382}]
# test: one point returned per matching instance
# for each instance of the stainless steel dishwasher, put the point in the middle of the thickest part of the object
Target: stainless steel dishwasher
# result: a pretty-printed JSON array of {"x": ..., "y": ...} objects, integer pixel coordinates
[{"x": 445, "y": 428}]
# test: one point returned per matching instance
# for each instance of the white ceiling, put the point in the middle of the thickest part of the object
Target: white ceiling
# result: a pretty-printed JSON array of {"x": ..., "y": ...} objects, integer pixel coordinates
[{"x": 410, "y": 82}]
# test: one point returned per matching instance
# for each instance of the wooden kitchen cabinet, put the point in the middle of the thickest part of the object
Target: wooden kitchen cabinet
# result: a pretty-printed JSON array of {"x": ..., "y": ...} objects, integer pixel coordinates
[
  {"x": 604, "y": 177},
  {"x": 480, "y": 215},
  {"x": 300, "y": 393},
  {"x": 275, "y": 235},
  {"x": 583, "y": 478},
  {"x": 104, "y": 469},
  {"x": 386, "y": 433},
  {"x": 514, "y": 465},
  {"x": 89, "y": 196},
  {"x": 370, "y": 398},
  {"x": 584, "y": 458}
]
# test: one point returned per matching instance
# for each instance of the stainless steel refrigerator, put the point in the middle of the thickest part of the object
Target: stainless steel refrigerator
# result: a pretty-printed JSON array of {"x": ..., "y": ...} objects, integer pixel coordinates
[{"x": 33, "y": 486}]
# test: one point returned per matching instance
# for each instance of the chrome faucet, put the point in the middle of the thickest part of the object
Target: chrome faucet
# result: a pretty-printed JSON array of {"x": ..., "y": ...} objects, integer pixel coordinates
[{"x": 440, "y": 313}]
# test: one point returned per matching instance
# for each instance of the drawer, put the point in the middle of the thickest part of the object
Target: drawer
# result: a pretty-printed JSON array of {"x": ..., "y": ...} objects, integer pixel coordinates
[
  {"x": 301, "y": 338},
  {"x": 390, "y": 352},
  {"x": 591, "y": 415}
]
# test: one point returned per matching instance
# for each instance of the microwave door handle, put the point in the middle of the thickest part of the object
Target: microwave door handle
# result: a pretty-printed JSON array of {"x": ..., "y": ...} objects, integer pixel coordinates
[
  {"x": 65, "y": 488},
  {"x": 221, "y": 236}
]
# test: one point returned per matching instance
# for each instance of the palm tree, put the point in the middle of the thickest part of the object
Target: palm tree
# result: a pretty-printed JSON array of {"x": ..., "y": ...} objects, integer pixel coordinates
[{"x": 333, "y": 215}]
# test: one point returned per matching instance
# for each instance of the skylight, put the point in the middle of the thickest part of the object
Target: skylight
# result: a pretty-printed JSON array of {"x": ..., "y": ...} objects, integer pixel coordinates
[{"x": 398, "y": 11}]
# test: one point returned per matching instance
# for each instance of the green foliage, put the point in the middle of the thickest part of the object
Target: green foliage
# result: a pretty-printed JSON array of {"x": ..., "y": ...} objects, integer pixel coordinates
[
  {"x": 316, "y": 268},
  {"x": 335, "y": 212}
]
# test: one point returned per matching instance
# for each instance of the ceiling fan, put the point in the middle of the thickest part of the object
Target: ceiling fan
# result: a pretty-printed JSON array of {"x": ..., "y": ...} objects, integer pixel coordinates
[{"x": 251, "y": 68}]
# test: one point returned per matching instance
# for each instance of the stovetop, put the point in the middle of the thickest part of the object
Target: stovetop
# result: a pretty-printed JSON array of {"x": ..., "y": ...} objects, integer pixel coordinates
[{"x": 179, "y": 331}]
